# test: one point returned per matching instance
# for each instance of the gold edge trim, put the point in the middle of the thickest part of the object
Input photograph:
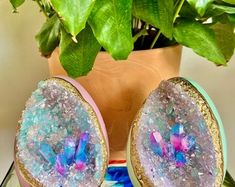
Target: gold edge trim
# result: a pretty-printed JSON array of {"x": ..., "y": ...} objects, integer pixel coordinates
[
  {"x": 210, "y": 120},
  {"x": 211, "y": 123},
  {"x": 135, "y": 160},
  {"x": 72, "y": 89},
  {"x": 24, "y": 174}
]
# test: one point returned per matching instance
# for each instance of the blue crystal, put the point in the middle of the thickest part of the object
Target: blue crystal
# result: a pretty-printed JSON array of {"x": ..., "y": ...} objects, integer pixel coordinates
[
  {"x": 180, "y": 159},
  {"x": 170, "y": 152},
  {"x": 69, "y": 150},
  {"x": 191, "y": 142},
  {"x": 47, "y": 152},
  {"x": 177, "y": 129},
  {"x": 120, "y": 175},
  {"x": 157, "y": 150},
  {"x": 81, "y": 153},
  {"x": 61, "y": 164}
]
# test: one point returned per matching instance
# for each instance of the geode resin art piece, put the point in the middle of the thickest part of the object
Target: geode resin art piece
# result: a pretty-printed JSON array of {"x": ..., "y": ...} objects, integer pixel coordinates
[
  {"x": 61, "y": 139},
  {"x": 177, "y": 139}
]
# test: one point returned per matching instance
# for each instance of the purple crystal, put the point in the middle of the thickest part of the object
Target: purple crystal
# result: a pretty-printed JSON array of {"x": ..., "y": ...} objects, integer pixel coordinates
[
  {"x": 61, "y": 164},
  {"x": 158, "y": 145},
  {"x": 188, "y": 143},
  {"x": 170, "y": 152},
  {"x": 156, "y": 137},
  {"x": 81, "y": 153},
  {"x": 179, "y": 145}
]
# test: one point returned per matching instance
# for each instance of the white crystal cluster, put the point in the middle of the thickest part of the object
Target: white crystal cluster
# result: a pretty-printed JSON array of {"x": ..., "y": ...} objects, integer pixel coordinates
[
  {"x": 165, "y": 107},
  {"x": 52, "y": 114}
]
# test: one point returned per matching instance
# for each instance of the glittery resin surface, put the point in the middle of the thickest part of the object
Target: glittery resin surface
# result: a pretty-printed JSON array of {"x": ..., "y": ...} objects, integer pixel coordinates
[
  {"x": 173, "y": 143},
  {"x": 59, "y": 142}
]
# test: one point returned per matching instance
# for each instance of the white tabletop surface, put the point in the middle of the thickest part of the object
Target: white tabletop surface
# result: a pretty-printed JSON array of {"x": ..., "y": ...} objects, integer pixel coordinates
[{"x": 21, "y": 67}]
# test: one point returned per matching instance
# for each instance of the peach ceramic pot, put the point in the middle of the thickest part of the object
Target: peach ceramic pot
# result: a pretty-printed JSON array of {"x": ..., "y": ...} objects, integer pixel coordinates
[{"x": 119, "y": 88}]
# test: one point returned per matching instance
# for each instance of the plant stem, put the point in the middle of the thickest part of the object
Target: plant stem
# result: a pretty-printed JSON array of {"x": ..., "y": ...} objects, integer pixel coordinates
[
  {"x": 178, "y": 10},
  {"x": 174, "y": 18},
  {"x": 142, "y": 32},
  {"x": 41, "y": 8},
  {"x": 142, "y": 41},
  {"x": 177, "y": 2},
  {"x": 155, "y": 39}
]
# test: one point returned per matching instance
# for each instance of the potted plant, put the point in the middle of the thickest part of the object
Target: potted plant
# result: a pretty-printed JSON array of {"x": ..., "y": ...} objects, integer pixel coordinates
[{"x": 83, "y": 29}]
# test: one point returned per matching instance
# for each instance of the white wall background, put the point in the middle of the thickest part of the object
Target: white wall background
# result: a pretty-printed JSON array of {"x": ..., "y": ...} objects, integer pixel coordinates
[
  {"x": 219, "y": 82},
  {"x": 21, "y": 67}
]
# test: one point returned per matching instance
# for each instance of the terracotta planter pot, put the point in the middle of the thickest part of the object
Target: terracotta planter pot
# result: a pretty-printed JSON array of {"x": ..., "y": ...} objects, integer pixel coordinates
[{"x": 119, "y": 88}]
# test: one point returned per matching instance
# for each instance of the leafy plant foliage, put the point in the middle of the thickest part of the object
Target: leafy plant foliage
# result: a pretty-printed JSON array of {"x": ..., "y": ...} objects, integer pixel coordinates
[{"x": 80, "y": 28}]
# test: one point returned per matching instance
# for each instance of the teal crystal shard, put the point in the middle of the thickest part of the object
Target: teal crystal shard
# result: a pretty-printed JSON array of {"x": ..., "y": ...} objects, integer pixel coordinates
[{"x": 47, "y": 152}]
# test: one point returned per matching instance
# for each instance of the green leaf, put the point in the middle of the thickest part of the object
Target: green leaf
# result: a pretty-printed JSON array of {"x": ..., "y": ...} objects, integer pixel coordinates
[
  {"x": 73, "y": 13},
  {"x": 226, "y": 38},
  {"x": 228, "y": 181},
  {"x": 142, "y": 32},
  {"x": 16, "y": 3},
  {"x": 231, "y": 18},
  {"x": 230, "y": 1},
  {"x": 46, "y": 5},
  {"x": 78, "y": 58},
  {"x": 158, "y": 13},
  {"x": 111, "y": 24},
  {"x": 200, "y": 6},
  {"x": 200, "y": 38},
  {"x": 48, "y": 37},
  {"x": 213, "y": 12},
  {"x": 222, "y": 8},
  {"x": 223, "y": 18},
  {"x": 187, "y": 11}
]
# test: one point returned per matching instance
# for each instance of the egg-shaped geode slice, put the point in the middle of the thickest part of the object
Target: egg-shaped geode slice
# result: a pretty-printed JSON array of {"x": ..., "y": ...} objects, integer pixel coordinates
[
  {"x": 61, "y": 139},
  {"x": 177, "y": 139}
]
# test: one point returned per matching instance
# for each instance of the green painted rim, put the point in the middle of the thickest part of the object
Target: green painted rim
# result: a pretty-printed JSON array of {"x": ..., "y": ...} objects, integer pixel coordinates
[
  {"x": 218, "y": 119},
  {"x": 131, "y": 172},
  {"x": 130, "y": 169}
]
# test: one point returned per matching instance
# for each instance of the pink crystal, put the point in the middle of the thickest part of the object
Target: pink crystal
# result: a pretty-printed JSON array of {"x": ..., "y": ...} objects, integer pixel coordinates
[
  {"x": 188, "y": 143},
  {"x": 158, "y": 144},
  {"x": 176, "y": 142},
  {"x": 156, "y": 137},
  {"x": 80, "y": 166}
]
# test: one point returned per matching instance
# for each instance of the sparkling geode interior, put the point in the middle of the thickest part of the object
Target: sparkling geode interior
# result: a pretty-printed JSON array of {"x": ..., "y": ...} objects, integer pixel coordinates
[
  {"x": 169, "y": 113},
  {"x": 56, "y": 120}
]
